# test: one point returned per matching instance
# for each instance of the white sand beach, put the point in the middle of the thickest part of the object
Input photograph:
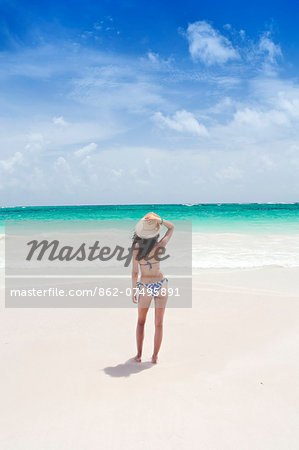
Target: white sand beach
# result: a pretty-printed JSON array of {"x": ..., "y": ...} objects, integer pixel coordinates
[{"x": 227, "y": 376}]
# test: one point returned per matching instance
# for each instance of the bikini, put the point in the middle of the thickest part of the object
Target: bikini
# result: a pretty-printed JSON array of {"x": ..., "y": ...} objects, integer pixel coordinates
[{"x": 152, "y": 288}]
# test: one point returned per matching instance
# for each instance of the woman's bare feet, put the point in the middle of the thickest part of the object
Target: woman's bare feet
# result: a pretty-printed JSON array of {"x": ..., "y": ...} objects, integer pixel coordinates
[
  {"x": 137, "y": 358},
  {"x": 154, "y": 359}
]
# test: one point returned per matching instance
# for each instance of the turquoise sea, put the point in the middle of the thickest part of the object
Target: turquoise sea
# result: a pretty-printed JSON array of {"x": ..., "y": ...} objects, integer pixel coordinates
[
  {"x": 224, "y": 235},
  {"x": 225, "y": 217}
]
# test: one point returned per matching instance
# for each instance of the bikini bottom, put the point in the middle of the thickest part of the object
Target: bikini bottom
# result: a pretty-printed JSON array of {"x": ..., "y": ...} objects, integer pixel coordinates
[{"x": 152, "y": 289}]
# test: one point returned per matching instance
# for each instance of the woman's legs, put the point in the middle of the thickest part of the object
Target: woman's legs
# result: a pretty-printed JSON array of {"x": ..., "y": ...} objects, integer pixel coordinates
[
  {"x": 142, "y": 312},
  {"x": 160, "y": 304}
]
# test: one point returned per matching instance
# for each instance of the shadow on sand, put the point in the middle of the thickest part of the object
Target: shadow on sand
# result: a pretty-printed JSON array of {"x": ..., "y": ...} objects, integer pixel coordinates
[{"x": 128, "y": 368}]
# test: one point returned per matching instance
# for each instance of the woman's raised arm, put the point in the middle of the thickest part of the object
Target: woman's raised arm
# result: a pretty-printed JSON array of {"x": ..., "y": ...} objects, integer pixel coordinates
[{"x": 168, "y": 234}]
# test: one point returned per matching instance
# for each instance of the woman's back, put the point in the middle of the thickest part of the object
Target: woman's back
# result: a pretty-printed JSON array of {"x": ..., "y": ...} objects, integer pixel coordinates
[{"x": 150, "y": 267}]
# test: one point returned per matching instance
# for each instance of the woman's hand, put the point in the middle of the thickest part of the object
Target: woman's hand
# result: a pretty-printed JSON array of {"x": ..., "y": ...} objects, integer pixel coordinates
[
  {"x": 134, "y": 298},
  {"x": 152, "y": 216}
]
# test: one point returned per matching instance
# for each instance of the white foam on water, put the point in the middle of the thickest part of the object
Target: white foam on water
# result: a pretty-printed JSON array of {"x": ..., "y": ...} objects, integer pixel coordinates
[{"x": 232, "y": 250}]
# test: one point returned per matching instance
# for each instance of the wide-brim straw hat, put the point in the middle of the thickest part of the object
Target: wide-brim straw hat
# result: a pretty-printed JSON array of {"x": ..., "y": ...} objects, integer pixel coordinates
[{"x": 147, "y": 229}]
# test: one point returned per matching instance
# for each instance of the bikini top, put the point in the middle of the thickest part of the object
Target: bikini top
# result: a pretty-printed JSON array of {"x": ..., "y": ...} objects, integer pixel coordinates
[{"x": 149, "y": 264}]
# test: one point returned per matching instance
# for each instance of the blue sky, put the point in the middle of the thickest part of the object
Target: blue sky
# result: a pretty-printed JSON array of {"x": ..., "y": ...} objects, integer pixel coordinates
[{"x": 148, "y": 102}]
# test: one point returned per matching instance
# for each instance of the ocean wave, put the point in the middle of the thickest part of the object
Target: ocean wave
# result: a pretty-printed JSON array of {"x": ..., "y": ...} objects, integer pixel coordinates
[{"x": 229, "y": 250}]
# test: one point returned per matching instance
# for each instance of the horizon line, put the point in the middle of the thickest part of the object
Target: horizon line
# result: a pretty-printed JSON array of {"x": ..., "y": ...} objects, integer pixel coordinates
[{"x": 154, "y": 204}]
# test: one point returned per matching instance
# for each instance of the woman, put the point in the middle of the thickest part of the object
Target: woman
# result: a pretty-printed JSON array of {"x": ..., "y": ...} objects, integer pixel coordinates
[{"x": 147, "y": 252}]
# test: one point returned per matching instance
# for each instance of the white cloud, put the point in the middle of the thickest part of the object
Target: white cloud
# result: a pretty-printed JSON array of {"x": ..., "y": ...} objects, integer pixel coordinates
[
  {"x": 117, "y": 88},
  {"x": 229, "y": 173},
  {"x": 36, "y": 142},
  {"x": 209, "y": 45},
  {"x": 260, "y": 119},
  {"x": 86, "y": 150},
  {"x": 60, "y": 161},
  {"x": 182, "y": 121},
  {"x": 268, "y": 47},
  {"x": 9, "y": 164},
  {"x": 153, "y": 57},
  {"x": 212, "y": 48},
  {"x": 117, "y": 172},
  {"x": 155, "y": 61},
  {"x": 261, "y": 55},
  {"x": 59, "y": 121},
  {"x": 266, "y": 163}
]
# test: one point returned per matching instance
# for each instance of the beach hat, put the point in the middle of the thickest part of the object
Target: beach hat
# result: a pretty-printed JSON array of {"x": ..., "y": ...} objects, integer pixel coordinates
[{"x": 147, "y": 229}]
